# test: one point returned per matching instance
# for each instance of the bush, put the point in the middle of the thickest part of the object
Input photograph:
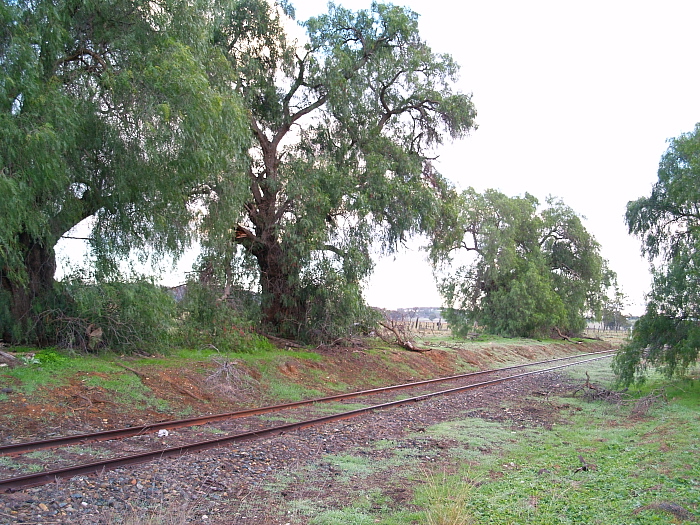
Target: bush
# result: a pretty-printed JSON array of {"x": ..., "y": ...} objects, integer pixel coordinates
[
  {"x": 333, "y": 307},
  {"x": 227, "y": 326},
  {"x": 119, "y": 316}
]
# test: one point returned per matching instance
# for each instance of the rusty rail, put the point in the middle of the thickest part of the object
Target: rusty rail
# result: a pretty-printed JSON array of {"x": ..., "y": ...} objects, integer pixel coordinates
[
  {"x": 41, "y": 478},
  {"x": 120, "y": 433}
]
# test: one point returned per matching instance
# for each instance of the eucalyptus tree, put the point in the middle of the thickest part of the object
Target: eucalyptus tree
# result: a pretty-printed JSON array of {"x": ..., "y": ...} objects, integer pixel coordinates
[
  {"x": 119, "y": 111},
  {"x": 516, "y": 269},
  {"x": 342, "y": 124},
  {"x": 667, "y": 336}
]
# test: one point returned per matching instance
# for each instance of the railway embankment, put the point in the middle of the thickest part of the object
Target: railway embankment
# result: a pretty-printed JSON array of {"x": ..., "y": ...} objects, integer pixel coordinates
[{"x": 540, "y": 449}]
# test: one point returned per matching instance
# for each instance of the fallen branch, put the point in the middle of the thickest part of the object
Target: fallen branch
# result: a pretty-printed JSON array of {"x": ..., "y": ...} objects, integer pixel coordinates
[
  {"x": 565, "y": 337},
  {"x": 139, "y": 374},
  {"x": 185, "y": 392},
  {"x": 8, "y": 359},
  {"x": 287, "y": 343},
  {"x": 593, "y": 392},
  {"x": 585, "y": 466},
  {"x": 644, "y": 404},
  {"x": 400, "y": 340}
]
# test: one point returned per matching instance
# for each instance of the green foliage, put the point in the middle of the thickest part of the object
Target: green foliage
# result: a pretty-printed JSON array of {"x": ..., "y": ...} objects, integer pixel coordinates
[
  {"x": 107, "y": 110},
  {"x": 334, "y": 308},
  {"x": 524, "y": 271},
  {"x": 367, "y": 100},
  {"x": 50, "y": 359},
  {"x": 225, "y": 325},
  {"x": 667, "y": 336},
  {"x": 668, "y": 344},
  {"x": 117, "y": 316}
]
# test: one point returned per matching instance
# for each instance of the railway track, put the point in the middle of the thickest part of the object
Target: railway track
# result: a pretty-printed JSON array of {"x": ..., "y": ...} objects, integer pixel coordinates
[{"x": 256, "y": 423}]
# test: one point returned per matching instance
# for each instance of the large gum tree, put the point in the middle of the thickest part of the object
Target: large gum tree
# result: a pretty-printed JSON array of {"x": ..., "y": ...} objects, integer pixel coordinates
[
  {"x": 119, "y": 111},
  {"x": 341, "y": 127},
  {"x": 517, "y": 268}
]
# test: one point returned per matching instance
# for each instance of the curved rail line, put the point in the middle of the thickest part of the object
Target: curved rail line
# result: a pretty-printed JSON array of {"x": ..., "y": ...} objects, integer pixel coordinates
[
  {"x": 21, "y": 448},
  {"x": 41, "y": 478}
]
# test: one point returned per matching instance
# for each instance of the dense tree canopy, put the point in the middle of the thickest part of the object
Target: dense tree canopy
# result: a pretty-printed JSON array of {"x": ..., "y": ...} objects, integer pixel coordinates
[
  {"x": 119, "y": 111},
  {"x": 524, "y": 271},
  {"x": 341, "y": 126},
  {"x": 667, "y": 336}
]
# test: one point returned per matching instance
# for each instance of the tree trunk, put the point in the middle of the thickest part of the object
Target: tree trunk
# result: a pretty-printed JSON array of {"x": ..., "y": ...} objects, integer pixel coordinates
[
  {"x": 40, "y": 267},
  {"x": 280, "y": 304}
]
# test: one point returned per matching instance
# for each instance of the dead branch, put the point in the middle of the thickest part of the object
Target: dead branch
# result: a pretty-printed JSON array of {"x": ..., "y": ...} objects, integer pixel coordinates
[
  {"x": 585, "y": 466},
  {"x": 593, "y": 392},
  {"x": 8, "y": 359},
  {"x": 401, "y": 339},
  {"x": 139, "y": 374},
  {"x": 644, "y": 404},
  {"x": 279, "y": 341},
  {"x": 565, "y": 337},
  {"x": 185, "y": 392}
]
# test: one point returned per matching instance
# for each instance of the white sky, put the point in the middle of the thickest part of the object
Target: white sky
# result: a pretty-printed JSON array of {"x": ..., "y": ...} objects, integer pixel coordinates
[{"x": 574, "y": 99}]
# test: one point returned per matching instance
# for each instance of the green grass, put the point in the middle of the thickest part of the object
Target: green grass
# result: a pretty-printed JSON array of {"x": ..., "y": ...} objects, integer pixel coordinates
[
  {"x": 635, "y": 464},
  {"x": 55, "y": 369},
  {"x": 537, "y": 479},
  {"x": 280, "y": 391},
  {"x": 127, "y": 389}
]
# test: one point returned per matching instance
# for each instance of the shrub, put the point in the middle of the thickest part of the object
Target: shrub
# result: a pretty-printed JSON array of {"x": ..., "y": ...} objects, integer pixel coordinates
[
  {"x": 206, "y": 320},
  {"x": 120, "y": 316}
]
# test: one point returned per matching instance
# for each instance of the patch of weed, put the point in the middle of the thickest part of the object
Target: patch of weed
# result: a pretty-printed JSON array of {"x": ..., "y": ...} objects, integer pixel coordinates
[
  {"x": 369, "y": 507},
  {"x": 334, "y": 408},
  {"x": 184, "y": 412},
  {"x": 7, "y": 463},
  {"x": 445, "y": 499},
  {"x": 290, "y": 391},
  {"x": 82, "y": 450},
  {"x": 127, "y": 389},
  {"x": 352, "y": 465},
  {"x": 211, "y": 430},
  {"x": 474, "y": 433},
  {"x": 40, "y": 454}
]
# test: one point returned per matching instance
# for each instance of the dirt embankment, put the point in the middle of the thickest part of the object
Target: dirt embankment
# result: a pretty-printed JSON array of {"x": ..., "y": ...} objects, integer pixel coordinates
[{"x": 88, "y": 402}]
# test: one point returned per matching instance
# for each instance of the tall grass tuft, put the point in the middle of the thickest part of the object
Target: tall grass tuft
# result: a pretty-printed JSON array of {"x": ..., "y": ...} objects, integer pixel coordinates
[{"x": 446, "y": 500}]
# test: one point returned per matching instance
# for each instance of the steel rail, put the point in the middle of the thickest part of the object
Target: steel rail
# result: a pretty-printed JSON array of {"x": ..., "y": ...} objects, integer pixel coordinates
[
  {"x": 18, "y": 482},
  {"x": 106, "y": 435}
]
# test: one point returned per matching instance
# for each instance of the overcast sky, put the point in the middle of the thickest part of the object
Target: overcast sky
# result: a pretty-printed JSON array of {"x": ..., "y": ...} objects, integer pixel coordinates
[{"x": 574, "y": 99}]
